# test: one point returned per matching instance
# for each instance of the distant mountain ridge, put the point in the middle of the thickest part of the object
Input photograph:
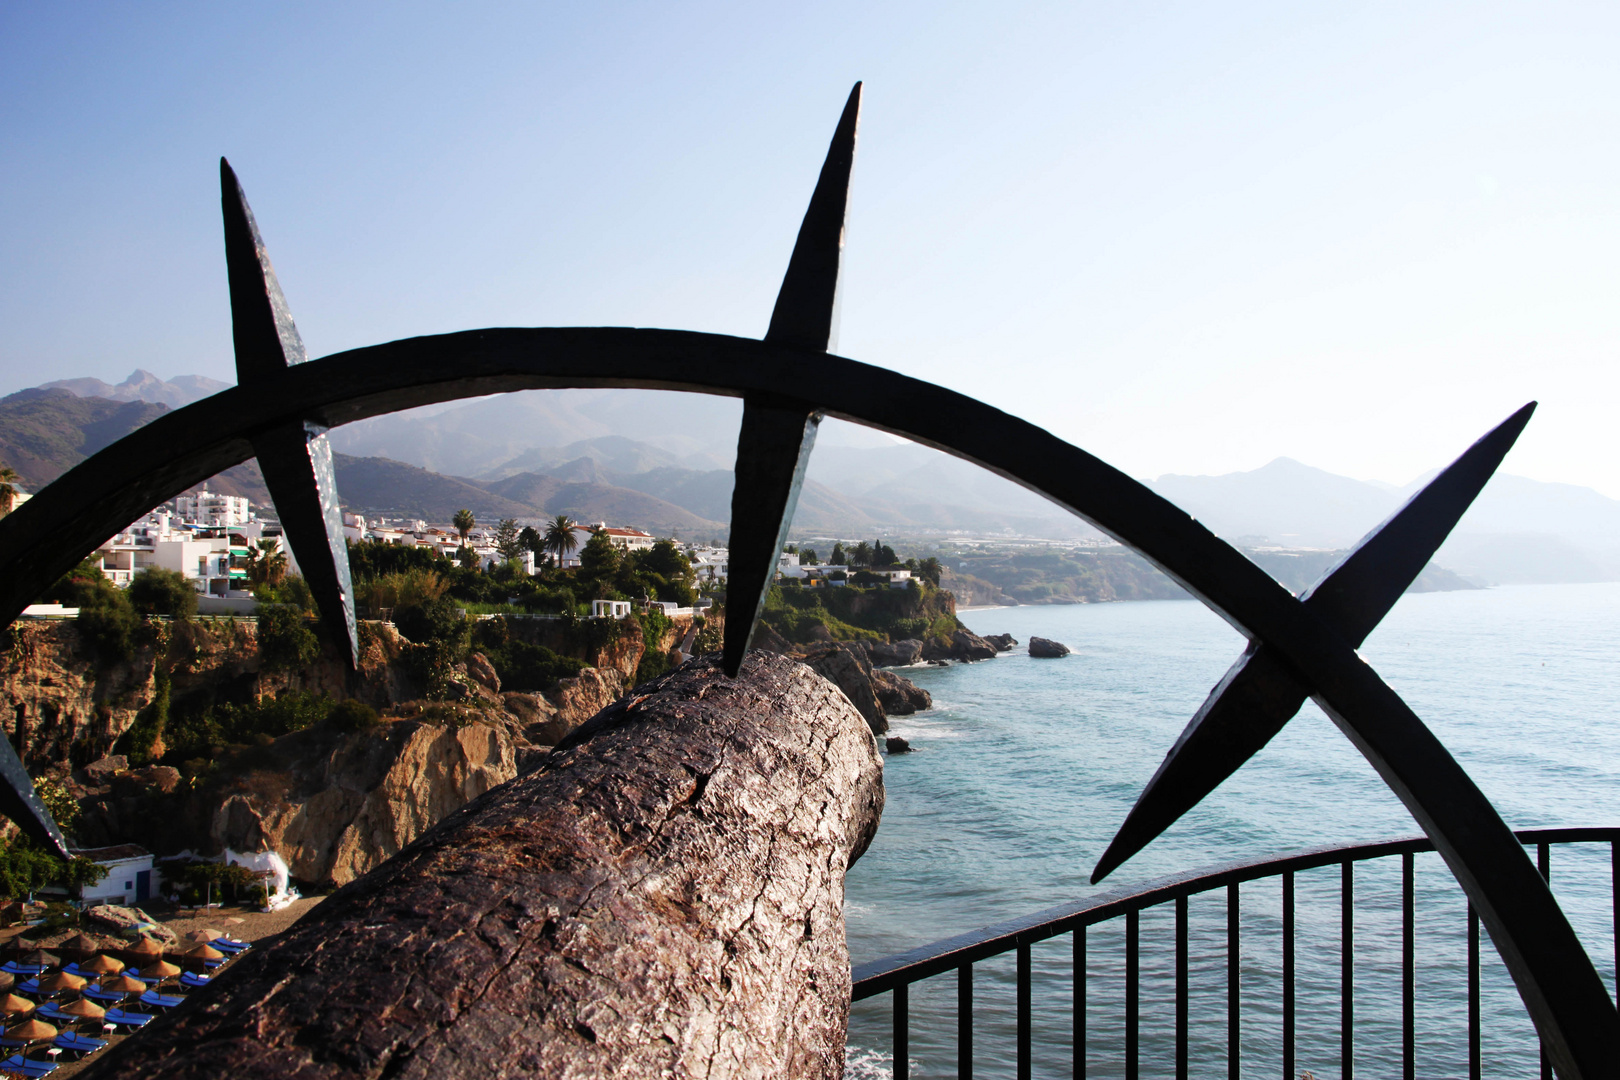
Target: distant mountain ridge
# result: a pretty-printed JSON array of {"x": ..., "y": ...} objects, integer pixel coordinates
[
  {"x": 1519, "y": 531},
  {"x": 663, "y": 461},
  {"x": 143, "y": 386}
]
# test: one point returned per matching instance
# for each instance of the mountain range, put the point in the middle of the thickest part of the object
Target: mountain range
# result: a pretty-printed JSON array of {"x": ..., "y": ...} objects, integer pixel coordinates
[{"x": 662, "y": 461}]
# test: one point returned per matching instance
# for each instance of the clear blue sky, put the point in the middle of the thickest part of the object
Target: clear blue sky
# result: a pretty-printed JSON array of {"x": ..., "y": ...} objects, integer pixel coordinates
[{"x": 1187, "y": 237}]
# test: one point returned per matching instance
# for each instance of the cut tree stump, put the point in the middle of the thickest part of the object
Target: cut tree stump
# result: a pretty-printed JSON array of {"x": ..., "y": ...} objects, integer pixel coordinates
[{"x": 662, "y": 897}]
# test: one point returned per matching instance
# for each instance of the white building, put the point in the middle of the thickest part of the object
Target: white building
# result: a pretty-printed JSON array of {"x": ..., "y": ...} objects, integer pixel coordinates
[
  {"x": 213, "y": 510},
  {"x": 610, "y": 609},
  {"x": 130, "y": 879}
]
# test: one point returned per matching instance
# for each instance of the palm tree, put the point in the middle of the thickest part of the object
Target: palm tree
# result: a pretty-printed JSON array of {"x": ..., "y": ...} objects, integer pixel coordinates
[
  {"x": 560, "y": 537},
  {"x": 464, "y": 522},
  {"x": 8, "y": 488}
]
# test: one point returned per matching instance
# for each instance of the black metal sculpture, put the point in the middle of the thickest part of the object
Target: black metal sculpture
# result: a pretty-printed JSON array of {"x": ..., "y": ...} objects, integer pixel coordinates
[{"x": 1299, "y": 646}]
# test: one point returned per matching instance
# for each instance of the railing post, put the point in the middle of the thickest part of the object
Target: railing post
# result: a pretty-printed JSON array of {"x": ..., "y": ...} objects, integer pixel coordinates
[
  {"x": 1347, "y": 969},
  {"x": 1474, "y": 1059},
  {"x": 1614, "y": 900},
  {"x": 1080, "y": 1003},
  {"x": 964, "y": 1022},
  {"x": 1133, "y": 986},
  {"x": 1181, "y": 988},
  {"x": 1234, "y": 1070},
  {"x": 1023, "y": 1011},
  {"x": 1544, "y": 864},
  {"x": 1288, "y": 973},
  {"x": 1408, "y": 971},
  {"x": 902, "y": 1033}
]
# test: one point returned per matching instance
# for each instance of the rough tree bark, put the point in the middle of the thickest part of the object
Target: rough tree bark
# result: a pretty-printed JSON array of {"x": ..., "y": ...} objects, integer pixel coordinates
[{"x": 662, "y": 897}]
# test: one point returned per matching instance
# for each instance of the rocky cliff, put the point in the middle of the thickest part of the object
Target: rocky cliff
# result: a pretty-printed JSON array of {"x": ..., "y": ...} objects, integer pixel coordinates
[{"x": 333, "y": 802}]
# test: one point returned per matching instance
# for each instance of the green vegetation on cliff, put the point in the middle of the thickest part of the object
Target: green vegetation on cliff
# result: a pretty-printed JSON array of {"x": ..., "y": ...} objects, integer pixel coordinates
[{"x": 854, "y": 612}]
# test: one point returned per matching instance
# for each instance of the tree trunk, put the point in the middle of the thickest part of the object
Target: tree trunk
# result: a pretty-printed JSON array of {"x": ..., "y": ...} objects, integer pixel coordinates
[{"x": 662, "y": 897}]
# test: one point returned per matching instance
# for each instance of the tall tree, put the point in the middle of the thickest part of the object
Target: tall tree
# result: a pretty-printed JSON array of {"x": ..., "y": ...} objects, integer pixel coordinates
[
  {"x": 464, "y": 522},
  {"x": 838, "y": 555},
  {"x": 532, "y": 541},
  {"x": 507, "y": 540},
  {"x": 560, "y": 538},
  {"x": 861, "y": 554}
]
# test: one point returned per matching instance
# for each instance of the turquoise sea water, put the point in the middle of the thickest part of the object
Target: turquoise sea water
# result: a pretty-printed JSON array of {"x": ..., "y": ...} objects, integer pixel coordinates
[{"x": 1026, "y": 767}]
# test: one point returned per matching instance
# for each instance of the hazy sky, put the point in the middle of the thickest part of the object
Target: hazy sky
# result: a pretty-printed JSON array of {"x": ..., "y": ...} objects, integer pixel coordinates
[{"x": 1189, "y": 238}]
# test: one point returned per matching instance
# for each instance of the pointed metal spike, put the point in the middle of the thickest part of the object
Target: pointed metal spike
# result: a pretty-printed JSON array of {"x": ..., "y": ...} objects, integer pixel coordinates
[
  {"x": 1260, "y": 694},
  {"x": 806, "y": 312},
  {"x": 295, "y": 459},
  {"x": 266, "y": 339},
  {"x": 1358, "y": 592},
  {"x": 22, "y": 804},
  {"x": 773, "y": 447},
  {"x": 773, "y": 450}
]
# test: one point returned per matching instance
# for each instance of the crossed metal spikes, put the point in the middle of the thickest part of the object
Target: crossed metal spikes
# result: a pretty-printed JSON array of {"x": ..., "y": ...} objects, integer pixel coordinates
[{"x": 1299, "y": 646}]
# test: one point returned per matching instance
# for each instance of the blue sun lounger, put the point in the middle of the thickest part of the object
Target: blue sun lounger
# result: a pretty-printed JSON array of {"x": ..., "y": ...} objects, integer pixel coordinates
[
  {"x": 52, "y": 1011},
  {"x": 22, "y": 969},
  {"x": 125, "y": 1018},
  {"x": 236, "y": 947},
  {"x": 193, "y": 981},
  {"x": 28, "y": 1067},
  {"x": 74, "y": 1043},
  {"x": 29, "y": 986},
  {"x": 95, "y": 993},
  {"x": 161, "y": 1001}
]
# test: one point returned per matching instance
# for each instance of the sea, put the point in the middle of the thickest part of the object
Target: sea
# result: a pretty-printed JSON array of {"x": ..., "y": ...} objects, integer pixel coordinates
[{"x": 1025, "y": 767}]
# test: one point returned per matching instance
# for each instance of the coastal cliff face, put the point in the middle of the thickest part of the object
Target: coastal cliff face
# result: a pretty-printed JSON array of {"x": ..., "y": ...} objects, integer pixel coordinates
[
  {"x": 333, "y": 803},
  {"x": 341, "y": 813}
]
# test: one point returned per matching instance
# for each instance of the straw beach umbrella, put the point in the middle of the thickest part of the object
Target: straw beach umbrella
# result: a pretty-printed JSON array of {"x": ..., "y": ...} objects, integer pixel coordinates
[
  {"x": 7, "y": 981},
  {"x": 123, "y": 984},
  {"x": 203, "y": 952},
  {"x": 160, "y": 970},
  {"x": 203, "y": 937},
  {"x": 32, "y": 1031},
  {"x": 234, "y": 921},
  {"x": 55, "y": 984},
  {"x": 80, "y": 944},
  {"x": 102, "y": 965},
  {"x": 84, "y": 1009},
  {"x": 147, "y": 945},
  {"x": 39, "y": 956},
  {"x": 12, "y": 1005}
]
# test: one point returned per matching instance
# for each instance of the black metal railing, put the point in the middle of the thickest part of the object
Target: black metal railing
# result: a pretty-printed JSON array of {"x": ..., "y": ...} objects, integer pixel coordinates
[{"x": 896, "y": 974}]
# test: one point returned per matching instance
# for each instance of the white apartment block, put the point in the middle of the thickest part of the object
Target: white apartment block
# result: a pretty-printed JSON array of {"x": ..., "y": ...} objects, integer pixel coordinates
[{"x": 213, "y": 510}]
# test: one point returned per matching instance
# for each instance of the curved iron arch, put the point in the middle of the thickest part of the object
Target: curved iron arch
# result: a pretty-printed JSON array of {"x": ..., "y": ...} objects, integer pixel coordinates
[{"x": 1298, "y": 646}]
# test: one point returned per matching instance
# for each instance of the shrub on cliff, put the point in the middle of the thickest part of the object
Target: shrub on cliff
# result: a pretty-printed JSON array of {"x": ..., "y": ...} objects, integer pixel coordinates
[
  {"x": 142, "y": 740},
  {"x": 351, "y": 715},
  {"x": 436, "y": 620},
  {"x": 286, "y": 642},
  {"x": 522, "y": 666},
  {"x": 26, "y": 868},
  {"x": 163, "y": 592}
]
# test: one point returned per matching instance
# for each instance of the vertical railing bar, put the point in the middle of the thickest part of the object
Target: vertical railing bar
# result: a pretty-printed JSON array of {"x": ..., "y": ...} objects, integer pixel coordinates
[
  {"x": 1288, "y": 974},
  {"x": 1614, "y": 899},
  {"x": 902, "y": 1018},
  {"x": 1233, "y": 979},
  {"x": 1347, "y": 969},
  {"x": 1080, "y": 1003},
  {"x": 1133, "y": 986},
  {"x": 1474, "y": 1058},
  {"x": 964, "y": 1022},
  {"x": 1181, "y": 988},
  {"x": 1023, "y": 1011},
  {"x": 1544, "y": 864},
  {"x": 1408, "y": 971}
]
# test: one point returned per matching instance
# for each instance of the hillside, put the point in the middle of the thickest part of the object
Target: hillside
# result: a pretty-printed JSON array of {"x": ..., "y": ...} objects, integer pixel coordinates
[
  {"x": 44, "y": 433},
  {"x": 378, "y": 485},
  {"x": 595, "y": 500},
  {"x": 144, "y": 386}
]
